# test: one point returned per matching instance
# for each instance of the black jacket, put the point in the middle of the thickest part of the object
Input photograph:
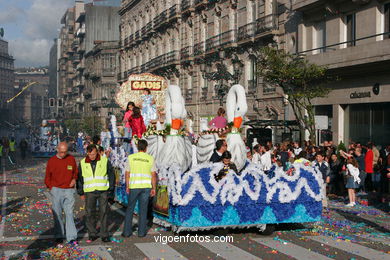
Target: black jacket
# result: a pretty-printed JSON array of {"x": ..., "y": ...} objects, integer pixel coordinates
[
  {"x": 110, "y": 173},
  {"x": 215, "y": 157}
]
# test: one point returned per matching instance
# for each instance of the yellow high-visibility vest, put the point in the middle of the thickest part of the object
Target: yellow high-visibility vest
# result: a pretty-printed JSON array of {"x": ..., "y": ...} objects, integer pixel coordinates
[
  {"x": 98, "y": 181},
  {"x": 140, "y": 170},
  {"x": 12, "y": 146}
]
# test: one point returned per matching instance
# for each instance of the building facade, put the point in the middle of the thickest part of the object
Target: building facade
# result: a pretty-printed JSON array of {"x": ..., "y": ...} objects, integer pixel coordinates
[
  {"x": 32, "y": 106},
  {"x": 6, "y": 84},
  {"x": 188, "y": 40},
  {"x": 100, "y": 79},
  {"x": 91, "y": 24},
  {"x": 352, "y": 39}
]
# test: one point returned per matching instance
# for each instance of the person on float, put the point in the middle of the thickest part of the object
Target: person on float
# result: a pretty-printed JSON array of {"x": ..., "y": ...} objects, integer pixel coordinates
[
  {"x": 96, "y": 183},
  {"x": 220, "y": 148},
  {"x": 141, "y": 180},
  {"x": 256, "y": 153},
  {"x": 227, "y": 165},
  {"x": 266, "y": 159},
  {"x": 149, "y": 110},
  {"x": 128, "y": 133},
  {"x": 219, "y": 121},
  {"x": 137, "y": 123}
]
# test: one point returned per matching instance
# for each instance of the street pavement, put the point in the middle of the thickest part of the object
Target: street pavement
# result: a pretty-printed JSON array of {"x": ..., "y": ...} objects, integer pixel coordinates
[{"x": 26, "y": 225}]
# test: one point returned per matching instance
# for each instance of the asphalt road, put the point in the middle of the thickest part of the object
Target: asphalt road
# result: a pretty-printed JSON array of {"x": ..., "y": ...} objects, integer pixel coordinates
[{"x": 26, "y": 231}]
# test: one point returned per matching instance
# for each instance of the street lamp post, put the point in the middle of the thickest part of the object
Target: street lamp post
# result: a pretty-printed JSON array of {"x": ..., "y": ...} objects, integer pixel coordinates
[{"x": 222, "y": 75}]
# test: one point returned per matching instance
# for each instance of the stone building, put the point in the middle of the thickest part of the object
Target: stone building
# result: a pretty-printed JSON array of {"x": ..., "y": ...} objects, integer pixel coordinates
[
  {"x": 85, "y": 24},
  {"x": 6, "y": 83},
  {"x": 187, "y": 40},
  {"x": 66, "y": 73},
  {"x": 100, "y": 79},
  {"x": 352, "y": 39},
  {"x": 32, "y": 106}
]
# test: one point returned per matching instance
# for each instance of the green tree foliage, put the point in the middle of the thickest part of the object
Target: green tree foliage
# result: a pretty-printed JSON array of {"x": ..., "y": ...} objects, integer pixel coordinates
[
  {"x": 300, "y": 80},
  {"x": 73, "y": 126},
  {"x": 91, "y": 126}
]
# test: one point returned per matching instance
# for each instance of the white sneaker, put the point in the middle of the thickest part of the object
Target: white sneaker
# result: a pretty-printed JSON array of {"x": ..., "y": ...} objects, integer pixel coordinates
[{"x": 350, "y": 204}]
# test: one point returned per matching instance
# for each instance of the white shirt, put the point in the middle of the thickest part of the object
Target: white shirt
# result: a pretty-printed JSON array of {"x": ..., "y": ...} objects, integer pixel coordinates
[
  {"x": 297, "y": 150},
  {"x": 266, "y": 161},
  {"x": 256, "y": 158},
  {"x": 354, "y": 172}
]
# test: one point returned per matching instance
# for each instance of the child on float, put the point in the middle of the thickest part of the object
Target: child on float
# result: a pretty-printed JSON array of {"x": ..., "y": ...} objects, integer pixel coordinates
[
  {"x": 227, "y": 165},
  {"x": 353, "y": 180},
  {"x": 149, "y": 109}
]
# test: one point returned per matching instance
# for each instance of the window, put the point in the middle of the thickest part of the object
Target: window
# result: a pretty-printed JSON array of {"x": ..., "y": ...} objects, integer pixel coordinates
[
  {"x": 351, "y": 29},
  {"x": 321, "y": 36},
  {"x": 387, "y": 21}
]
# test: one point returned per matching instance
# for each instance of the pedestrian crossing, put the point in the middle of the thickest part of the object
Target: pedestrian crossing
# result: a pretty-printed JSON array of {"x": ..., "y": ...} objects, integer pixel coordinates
[
  {"x": 353, "y": 248},
  {"x": 283, "y": 247}
]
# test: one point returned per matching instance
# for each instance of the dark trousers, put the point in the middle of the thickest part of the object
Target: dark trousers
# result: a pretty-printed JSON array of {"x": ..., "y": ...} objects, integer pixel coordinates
[
  {"x": 90, "y": 207},
  {"x": 142, "y": 196},
  {"x": 23, "y": 153}
]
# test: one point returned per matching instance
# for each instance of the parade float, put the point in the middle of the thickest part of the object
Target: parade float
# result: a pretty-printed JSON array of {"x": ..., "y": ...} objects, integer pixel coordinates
[
  {"x": 44, "y": 143},
  {"x": 188, "y": 195}
]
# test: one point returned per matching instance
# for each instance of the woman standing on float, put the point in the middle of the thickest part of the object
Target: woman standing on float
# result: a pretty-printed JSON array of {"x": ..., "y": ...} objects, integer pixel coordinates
[
  {"x": 149, "y": 111},
  {"x": 126, "y": 121}
]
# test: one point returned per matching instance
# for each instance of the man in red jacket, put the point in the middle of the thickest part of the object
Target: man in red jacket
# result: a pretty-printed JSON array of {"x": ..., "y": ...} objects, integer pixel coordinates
[
  {"x": 369, "y": 161},
  {"x": 61, "y": 176}
]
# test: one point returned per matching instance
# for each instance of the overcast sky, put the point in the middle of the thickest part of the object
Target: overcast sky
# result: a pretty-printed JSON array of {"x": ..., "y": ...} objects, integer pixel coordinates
[{"x": 31, "y": 27}]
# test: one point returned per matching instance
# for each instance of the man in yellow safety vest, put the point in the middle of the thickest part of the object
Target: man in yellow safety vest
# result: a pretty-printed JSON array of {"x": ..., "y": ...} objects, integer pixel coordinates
[
  {"x": 140, "y": 185},
  {"x": 12, "y": 150},
  {"x": 96, "y": 182}
]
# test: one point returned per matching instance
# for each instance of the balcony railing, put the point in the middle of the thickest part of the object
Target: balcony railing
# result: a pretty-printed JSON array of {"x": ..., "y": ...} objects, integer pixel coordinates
[
  {"x": 261, "y": 25},
  {"x": 200, "y": 2},
  {"x": 130, "y": 40},
  {"x": 246, "y": 32},
  {"x": 171, "y": 57},
  {"x": 160, "y": 20},
  {"x": 228, "y": 37},
  {"x": 137, "y": 36},
  {"x": 149, "y": 28},
  {"x": 221, "y": 40},
  {"x": 266, "y": 23},
  {"x": 173, "y": 11},
  {"x": 185, "y": 52},
  {"x": 186, "y": 5},
  {"x": 199, "y": 48}
]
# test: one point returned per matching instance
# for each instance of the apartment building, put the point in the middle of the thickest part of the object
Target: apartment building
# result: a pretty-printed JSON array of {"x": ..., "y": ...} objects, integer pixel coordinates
[
  {"x": 6, "y": 82},
  {"x": 187, "y": 41},
  {"x": 352, "y": 38},
  {"x": 85, "y": 25},
  {"x": 31, "y": 107},
  {"x": 100, "y": 79}
]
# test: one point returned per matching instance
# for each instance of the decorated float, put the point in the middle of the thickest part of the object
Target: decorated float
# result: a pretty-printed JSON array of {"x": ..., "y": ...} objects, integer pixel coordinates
[
  {"x": 44, "y": 143},
  {"x": 189, "y": 197}
]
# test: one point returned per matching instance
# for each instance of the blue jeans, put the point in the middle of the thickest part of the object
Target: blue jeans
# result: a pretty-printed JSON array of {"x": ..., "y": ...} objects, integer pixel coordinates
[
  {"x": 142, "y": 196},
  {"x": 128, "y": 133},
  {"x": 63, "y": 201}
]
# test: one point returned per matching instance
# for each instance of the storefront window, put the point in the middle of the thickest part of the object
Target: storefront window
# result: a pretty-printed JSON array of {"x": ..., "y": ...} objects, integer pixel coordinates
[{"x": 370, "y": 122}]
